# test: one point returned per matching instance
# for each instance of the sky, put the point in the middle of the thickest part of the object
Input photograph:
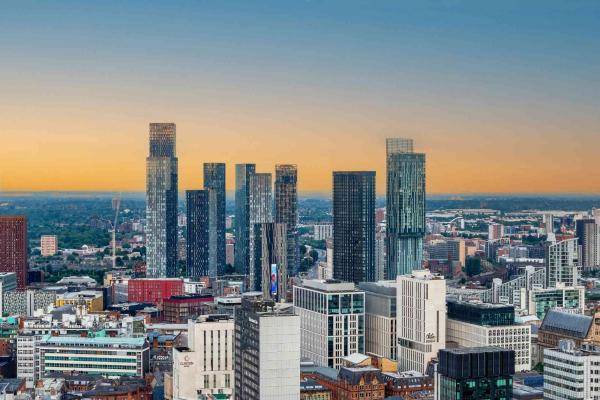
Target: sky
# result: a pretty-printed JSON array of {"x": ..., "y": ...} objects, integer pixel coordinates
[{"x": 502, "y": 96}]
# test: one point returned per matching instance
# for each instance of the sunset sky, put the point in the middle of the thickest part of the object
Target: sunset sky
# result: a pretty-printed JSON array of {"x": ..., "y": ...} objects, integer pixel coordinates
[{"x": 502, "y": 96}]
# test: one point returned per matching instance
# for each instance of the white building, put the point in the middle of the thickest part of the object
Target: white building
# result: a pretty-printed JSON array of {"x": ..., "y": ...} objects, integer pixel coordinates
[
  {"x": 421, "y": 310},
  {"x": 562, "y": 263},
  {"x": 571, "y": 373},
  {"x": 323, "y": 231},
  {"x": 49, "y": 245},
  {"x": 26, "y": 359},
  {"x": 205, "y": 366},
  {"x": 538, "y": 301},
  {"x": 332, "y": 315},
  {"x": 380, "y": 318}
]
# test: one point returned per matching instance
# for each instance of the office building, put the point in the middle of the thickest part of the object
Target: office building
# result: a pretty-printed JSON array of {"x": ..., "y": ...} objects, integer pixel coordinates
[
  {"x": 538, "y": 301},
  {"x": 354, "y": 226},
  {"x": 243, "y": 172},
  {"x": 214, "y": 182},
  {"x": 380, "y": 257},
  {"x": 571, "y": 372},
  {"x": 110, "y": 357},
  {"x": 153, "y": 290},
  {"x": 405, "y": 207},
  {"x": 49, "y": 245},
  {"x": 474, "y": 373},
  {"x": 13, "y": 247},
  {"x": 332, "y": 320},
  {"x": 483, "y": 324},
  {"x": 495, "y": 231},
  {"x": 588, "y": 239},
  {"x": 322, "y": 231},
  {"x": 260, "y": 212},
  {"x": 286, "y": 210},
  {"x": 197, "y": 234},
  {"x": 562, "y": 263},
  {"x": 178, "y": 309},
  {"x": 380, "y": 318},
  {"x": 421, "y": 311},
  {"x": 91, "y": 299},
  {"x": 267, "y": 350},
  {"x": 205, "y": 367},
  {"x": 161, "y": 202},
  {"x": 271, "y": 258}
]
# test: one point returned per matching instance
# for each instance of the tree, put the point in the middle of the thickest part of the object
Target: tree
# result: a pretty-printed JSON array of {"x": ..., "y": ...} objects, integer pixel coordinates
[{"x": 473, "y": 266}]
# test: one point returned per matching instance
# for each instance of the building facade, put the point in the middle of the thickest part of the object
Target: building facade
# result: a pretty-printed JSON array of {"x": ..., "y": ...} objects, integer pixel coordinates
[
  {"x": 197, "y": 234},
  {"x": 271, "y": 258},
  {"x": 48, "y": 245},
  {"x": 380, "y": 318},
  {"x": 243, "y": 172},
  {"x": 267, "y": 351},
  {"x": 588, "y": 239},
  {"x": 332, "y": 320},
  {"x": 13, "y": 247},
  {"x": 405, "y": 207},
  {"x": 161, "y": 202},
  {"x": 205, "y": 366},
  {"x": 562, "y": 263},
  {"x": 153, "y": 290},
  {"x": 421, "y": 311},
  {"x": 286, "y": 210},
  {"x": 571, "y": 372},
  {"x": 354, "y": 226},
  {"x": 214, "y": 182},
  {"x": 260, "y": 212}
]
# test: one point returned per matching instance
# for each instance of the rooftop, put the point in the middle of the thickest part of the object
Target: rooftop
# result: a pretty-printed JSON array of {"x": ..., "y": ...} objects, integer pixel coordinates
[
  {"x": 92, "y": 341},
  {"x": 329, "y": 285},
  {"x": 574, "y": 325}
]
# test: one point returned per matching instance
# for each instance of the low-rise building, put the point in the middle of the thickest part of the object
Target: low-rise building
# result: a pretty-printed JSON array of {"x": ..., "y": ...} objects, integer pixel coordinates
[{"x": 92, "y": 300}]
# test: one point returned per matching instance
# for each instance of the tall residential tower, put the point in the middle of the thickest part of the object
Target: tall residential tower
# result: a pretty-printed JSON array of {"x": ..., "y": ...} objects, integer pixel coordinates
[
  {"x": 214, "y": 182},
  {"x": 405, "y": 207},
  {"x": 243, "y": 172},
  {"x": 286, "y": 209},
  {"x": 161, "y": 202}
]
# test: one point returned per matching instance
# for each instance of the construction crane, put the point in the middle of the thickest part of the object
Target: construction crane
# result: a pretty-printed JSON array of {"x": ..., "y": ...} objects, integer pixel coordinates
[{"x": 116, "y": 205}]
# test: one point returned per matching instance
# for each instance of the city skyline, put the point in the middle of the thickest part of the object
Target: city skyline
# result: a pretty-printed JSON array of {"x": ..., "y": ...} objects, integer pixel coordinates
[{"x": 261, "y": 83}]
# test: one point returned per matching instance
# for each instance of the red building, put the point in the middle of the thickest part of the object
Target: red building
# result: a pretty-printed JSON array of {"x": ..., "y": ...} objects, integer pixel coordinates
[
  {"x": 153, "y": 291},
  {"x": 13, "y": 247},
  {"x": 178, "y": 309}
]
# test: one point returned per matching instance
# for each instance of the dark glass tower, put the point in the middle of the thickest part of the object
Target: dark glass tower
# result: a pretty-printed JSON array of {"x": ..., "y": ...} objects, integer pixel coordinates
[
  {"x": 243, "y": 172},
  {"x": 405, "y": 208},
  {"x": 354, "y": 226},
  {"x": 214, "y": 181},
  {"x": 270, "y": 258},
  {"x": 161, "y": 202},
  {"x": 261, "y": 212},
  {"x": 286, "y": 210},
  {"x": 197, "y": 204}
]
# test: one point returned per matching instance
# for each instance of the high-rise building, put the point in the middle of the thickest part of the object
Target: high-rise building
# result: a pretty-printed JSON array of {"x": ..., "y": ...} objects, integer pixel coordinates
[
  {"x": 260, "y": 212},
  {"x": 571, "y": 372},
  {"x": 271, "y": 257},
  {"x": 243, "y": 172},
  {"x": 13, "y": 247},
  {"x": 267, "y": 350},
  {"x": 483, "y": 324},
  {"x": 205, "y": 367},
  {"x": 354, "y": 226},
  {"x": 49, "y": 245},
  {"x": 197, "y": 203},
  {"x": 380, "y": 318},
  {"x": 588, "y": 238},
  {"x": 495, "y": 231},
  {"x": 286, "y": 210},
  {"x": 475, "y": 373},
  {"x": 562, "y": 262},
  {"x": 405, "y": 207},
  {"x": 332, "y": 320},
  {"x": 322, "y": 231},
  {"x": 214, "y": 181},
  {"x": 421, "y": 311},
  {"x": 161, "y": 202}
]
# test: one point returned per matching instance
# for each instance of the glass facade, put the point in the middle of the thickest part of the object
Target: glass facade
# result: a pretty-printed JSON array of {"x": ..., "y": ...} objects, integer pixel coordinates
[
  {"x": 197, "y": 237},
  {"x": 481, "y": 314},
  {"x": 242, "y": 215},
  {"x": 214, "y": 182},
  {"x": 286, "y": 210}
]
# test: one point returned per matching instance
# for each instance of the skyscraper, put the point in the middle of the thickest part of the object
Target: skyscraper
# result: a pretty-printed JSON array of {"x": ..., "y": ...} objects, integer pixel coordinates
[
  {"x": 588, "y": 238},
  {"x": 197, "y": 237},
  {"x": 214, "y": 181},
  {"x": 161, "y": 202},
  {"x": 405, "y": 207},
  {"x": 242, "y": 215},
  {"x": 286, "y": 209},
  {"x": 13, "y": 247},
  {"x": 271, "y": 260},
  {"x": 354, "y": 226},
  {"x": 260, "y": 212}
]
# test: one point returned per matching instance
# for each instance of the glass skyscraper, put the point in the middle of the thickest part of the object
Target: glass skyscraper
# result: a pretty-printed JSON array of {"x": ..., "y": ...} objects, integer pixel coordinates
[
  {"x": 161, "y": 202},
  {"x": 260, "y": 212},
  {"x": 242, "y": 215},
  {"x": 354, "y": 226},
  {"x": 214, "y": 181},
  {"x": 197, "y": 203},
  {"x": 286, "y": 209},
  {"x": 405, "y": 207}
]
